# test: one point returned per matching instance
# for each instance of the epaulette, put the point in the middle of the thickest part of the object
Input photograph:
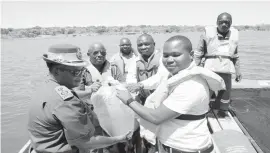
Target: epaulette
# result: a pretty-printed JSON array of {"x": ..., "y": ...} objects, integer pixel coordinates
[{"x": 63, "y": 92}]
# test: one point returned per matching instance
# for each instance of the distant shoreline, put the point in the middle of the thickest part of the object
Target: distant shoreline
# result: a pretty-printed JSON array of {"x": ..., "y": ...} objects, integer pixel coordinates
[{"x": 47, "y": 32}]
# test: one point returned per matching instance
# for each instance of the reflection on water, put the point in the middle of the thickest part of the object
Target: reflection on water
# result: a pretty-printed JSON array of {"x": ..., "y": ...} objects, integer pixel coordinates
[
  {"x": 23, "y": 68},
  {"x": 252, "y": 109}
]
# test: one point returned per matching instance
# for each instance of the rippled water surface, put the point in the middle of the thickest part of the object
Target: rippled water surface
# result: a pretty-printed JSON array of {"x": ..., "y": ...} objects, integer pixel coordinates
[{"x": 23, "y": 68}]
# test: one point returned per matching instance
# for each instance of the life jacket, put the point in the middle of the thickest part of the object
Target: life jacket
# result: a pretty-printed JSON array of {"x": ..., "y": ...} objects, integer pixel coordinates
[
  {"x": 106, "y": 73},
  {"x": 167, "y": 86},
  {"x": 145, "y": 70},
  {"x": 220, "y": 52},
  {"x": 120, "y": 63}
]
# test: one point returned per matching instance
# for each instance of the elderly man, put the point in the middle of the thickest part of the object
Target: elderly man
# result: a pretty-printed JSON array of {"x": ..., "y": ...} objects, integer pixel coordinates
[
  {"x": 177, "y": 108},
  {"x": 219, "y": 46},
  {"x": 125, "y": 57},
  {"x": 100, "y": 69},
  {"x": 59, "y": 121}
]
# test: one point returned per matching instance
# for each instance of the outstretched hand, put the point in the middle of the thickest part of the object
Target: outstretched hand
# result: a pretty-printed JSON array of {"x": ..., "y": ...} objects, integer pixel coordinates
[
  {"x": 95, "y": 86},
  {"x": 123, "y": 95},
  {"x": 126, "y": 137},
  {"x": 134, "y": 87}
]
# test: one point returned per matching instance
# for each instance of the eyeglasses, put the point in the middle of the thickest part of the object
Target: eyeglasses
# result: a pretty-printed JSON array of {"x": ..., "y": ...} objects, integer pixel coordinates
[
  {"x": 224, "y": 21},
  {"x": 102, "y": 52},
  {"x": 74, "y": 72}
]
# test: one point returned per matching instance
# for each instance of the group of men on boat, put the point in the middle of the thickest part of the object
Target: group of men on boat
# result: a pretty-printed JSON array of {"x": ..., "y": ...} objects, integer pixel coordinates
[{"x": 173, "y": 85}]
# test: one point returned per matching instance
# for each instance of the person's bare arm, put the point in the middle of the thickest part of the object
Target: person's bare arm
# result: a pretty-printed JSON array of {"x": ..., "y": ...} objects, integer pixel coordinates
[
  {"x": 236, "y": 62},
  {"x": 200, "y": 51},
  {"x": 79, "y": 130}
]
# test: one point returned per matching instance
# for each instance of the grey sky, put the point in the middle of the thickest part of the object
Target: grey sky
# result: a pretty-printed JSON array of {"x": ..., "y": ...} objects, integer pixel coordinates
[{"x": 83, "y": 13}]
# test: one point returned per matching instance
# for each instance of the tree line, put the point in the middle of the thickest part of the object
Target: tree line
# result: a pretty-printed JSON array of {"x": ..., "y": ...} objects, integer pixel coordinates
[{"x": 99, "y": 30}]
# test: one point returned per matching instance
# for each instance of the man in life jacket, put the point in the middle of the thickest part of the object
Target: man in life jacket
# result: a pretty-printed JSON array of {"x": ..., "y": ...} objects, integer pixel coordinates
[
  {"x": 219, "y": 46},
  {"x": 176, "y": 110},
  {"x": 125, "y": 57},
  {"x": 100, "y": 69},
  {"x": 146, "y": 65}
]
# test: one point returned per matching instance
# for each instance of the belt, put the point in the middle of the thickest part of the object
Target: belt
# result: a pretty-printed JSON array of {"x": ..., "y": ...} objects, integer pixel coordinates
[
  {"x": 206, "y": 150},
  {"x": 147, "y": 144},
  {"x": 218, "y": 56}
]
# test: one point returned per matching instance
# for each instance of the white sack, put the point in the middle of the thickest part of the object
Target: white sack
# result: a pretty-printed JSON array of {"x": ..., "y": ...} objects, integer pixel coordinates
[{"x": 114, "y": 117}]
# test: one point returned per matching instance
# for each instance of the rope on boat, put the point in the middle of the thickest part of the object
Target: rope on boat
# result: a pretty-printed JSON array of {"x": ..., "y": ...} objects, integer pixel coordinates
[{"x": 25, "y": 147}]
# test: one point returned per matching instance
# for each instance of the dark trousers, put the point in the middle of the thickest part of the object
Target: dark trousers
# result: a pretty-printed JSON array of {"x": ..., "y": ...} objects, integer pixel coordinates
[
  {"x": 223, "y": 98},
  {"x": 134, "y": 145},
  {"x": 147, "y": 147}
]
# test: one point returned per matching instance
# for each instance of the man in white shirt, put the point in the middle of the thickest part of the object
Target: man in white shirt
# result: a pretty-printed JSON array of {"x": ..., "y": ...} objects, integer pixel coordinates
[
  {"x": 183, "y": 101},
  {"x": 125, "y": 57}
]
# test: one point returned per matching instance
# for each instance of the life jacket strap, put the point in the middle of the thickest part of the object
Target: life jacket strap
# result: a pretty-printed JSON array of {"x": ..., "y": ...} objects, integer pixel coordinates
[
  {"x": 191, "y": 117},
  {"x": 219, "y": 56}
]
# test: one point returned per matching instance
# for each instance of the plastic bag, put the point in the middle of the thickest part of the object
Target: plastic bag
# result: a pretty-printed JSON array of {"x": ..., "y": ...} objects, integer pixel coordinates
[{"x": 114, "y": 117}]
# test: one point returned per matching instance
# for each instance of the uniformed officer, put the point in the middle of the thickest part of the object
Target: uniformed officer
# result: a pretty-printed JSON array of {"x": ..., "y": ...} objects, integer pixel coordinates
[{"x": 59, "y": 122}]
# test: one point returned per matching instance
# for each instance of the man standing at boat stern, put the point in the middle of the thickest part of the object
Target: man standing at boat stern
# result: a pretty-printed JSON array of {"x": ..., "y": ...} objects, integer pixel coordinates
[
  {"x": 59, "y": 121},
  {"x": 219, "y": 46}
]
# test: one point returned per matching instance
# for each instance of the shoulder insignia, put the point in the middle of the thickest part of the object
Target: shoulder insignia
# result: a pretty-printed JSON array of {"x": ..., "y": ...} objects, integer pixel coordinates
[{"x": 63, "y": 92}]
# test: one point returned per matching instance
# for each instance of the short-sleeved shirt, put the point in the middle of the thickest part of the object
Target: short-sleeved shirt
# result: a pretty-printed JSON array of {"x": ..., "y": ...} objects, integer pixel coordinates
[
  {"x": 56, "y": 124},
  {"x": 189, "y": 97},
  {"x": 123, "y": 62}
]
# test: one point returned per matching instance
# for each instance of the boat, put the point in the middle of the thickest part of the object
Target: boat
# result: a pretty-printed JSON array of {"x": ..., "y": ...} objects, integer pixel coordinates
[{"x": 228, "y": 133}]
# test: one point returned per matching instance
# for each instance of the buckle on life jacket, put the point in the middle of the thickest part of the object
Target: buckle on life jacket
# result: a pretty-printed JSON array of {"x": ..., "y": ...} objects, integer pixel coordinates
[{"x": 220, "y": 57}]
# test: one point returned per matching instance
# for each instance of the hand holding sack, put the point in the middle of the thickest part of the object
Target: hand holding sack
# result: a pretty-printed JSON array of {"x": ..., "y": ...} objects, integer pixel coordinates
[{"x": 114, "y": 117}]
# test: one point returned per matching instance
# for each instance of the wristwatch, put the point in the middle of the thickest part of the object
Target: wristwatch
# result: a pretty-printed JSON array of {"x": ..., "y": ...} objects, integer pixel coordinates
[{"x": 130, "y": 100}]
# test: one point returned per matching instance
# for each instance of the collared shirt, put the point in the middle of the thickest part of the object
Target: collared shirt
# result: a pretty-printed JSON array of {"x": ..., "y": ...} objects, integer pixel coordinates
[
  {"x": 202, "y": 48},
  {"x": 57, "y": 124},
  {"x": 124, "y": 61}
]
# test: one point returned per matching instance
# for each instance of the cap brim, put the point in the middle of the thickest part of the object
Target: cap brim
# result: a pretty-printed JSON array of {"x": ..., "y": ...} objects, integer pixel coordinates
[{"x": 81, "y": 63}]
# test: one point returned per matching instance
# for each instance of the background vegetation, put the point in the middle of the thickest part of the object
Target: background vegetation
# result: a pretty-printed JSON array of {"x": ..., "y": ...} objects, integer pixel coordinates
[{"x": 99, "y": 30}]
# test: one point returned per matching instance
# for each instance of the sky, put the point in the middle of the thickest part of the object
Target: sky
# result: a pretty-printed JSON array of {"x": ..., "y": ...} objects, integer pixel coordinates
[{"x": 23, "y": 14}]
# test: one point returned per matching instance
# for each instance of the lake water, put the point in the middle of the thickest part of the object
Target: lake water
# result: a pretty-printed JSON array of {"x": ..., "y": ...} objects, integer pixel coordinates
[{"x": 23, "y": 68}]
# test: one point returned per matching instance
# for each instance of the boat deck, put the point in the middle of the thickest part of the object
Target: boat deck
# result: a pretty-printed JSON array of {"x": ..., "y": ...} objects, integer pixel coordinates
[{"x": 230, "y": 130}]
